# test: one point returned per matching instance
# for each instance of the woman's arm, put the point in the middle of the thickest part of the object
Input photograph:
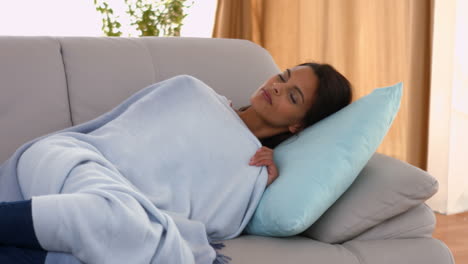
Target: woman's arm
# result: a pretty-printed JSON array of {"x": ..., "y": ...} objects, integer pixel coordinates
[{"x": 264, "y": 157}]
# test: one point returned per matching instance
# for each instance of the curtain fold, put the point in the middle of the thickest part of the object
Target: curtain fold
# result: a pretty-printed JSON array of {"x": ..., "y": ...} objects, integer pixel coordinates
[
  {"x": 374, "y": 43},
  {"x": 239, "y": 19}
]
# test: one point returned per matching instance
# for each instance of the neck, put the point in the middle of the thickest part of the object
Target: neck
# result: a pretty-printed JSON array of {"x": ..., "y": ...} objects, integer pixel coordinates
[{"x": 257, "y": 125}]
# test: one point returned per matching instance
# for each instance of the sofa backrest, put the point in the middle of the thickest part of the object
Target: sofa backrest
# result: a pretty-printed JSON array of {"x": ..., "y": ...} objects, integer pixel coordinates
[{"x": 50, "y": 83}]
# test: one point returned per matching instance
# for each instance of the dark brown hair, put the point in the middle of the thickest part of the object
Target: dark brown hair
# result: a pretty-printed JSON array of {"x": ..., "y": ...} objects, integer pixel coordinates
[{"x": 333, "y": 93}]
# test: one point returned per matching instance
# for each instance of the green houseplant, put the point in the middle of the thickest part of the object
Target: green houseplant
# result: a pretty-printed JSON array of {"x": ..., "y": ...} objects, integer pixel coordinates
[{"x": 148, "y": 17}]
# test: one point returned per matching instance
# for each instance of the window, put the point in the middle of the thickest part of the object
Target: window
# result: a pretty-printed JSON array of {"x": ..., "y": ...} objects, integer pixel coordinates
[{"x": 79, "y": 18}]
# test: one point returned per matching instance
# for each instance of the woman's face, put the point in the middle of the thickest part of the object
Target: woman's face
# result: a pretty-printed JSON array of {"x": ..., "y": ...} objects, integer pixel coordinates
[{"x": 284, "y": 99}]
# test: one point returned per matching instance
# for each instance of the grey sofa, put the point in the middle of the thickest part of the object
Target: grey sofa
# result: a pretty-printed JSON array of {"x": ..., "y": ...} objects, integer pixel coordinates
[{"x": 50, "y": 83}]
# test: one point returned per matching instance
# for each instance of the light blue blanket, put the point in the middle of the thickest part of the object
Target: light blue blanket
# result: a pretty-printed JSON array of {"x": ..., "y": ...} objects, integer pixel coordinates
[{"x": 155, "y": 180}]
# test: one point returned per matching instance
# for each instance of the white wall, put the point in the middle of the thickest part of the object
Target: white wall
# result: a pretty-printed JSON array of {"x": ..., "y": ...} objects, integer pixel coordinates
[{"x": 448, "y": 115}]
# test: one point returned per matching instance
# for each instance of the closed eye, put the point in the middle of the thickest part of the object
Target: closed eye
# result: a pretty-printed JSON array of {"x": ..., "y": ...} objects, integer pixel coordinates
[
  {"x": 281, "y": 78},
  {"x": 292, "y": 98},
  {"x": 291, "y": 95}
]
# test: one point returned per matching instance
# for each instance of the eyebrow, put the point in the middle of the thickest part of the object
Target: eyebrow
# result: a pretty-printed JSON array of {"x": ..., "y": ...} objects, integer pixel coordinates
[{"x": 295, "y": 87}]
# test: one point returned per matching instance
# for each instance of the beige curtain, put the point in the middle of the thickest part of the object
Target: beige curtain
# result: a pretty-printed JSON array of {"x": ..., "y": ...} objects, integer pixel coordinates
[
  {"x": 238, "y": 19},
  {"x": 374, "y": 43}
]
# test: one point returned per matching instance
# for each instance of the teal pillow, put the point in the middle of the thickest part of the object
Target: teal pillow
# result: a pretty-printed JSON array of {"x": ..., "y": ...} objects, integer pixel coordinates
[{"x": 317, "y": 166}]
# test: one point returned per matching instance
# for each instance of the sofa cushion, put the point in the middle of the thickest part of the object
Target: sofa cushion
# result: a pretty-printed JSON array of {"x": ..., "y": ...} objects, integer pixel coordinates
[
  {"x": 33, "y": 96},
  {"x": 409, "y": 251},
  {"x": 234, "y": 68},
  {"x": 250, "y": 249},
  {"x": 318, "y": 165},
  {"x": 385, "y": 188},
  {"x": 103, "y": 72},
  {"x": 269, "y": 250},
  {"x": 417, "y": 222}
]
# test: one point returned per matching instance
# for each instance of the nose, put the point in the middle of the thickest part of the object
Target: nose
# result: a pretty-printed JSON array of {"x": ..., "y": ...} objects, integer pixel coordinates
[{"x": 276, "y": 89}]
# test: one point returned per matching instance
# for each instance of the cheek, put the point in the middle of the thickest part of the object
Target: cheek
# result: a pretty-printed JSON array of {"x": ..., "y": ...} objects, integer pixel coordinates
[
  {"x": 287, "y": 112},
  {"x": 254, "y": 98},
  {"x": 292, "y": 112},
  {"x": 257, "y": 92}
]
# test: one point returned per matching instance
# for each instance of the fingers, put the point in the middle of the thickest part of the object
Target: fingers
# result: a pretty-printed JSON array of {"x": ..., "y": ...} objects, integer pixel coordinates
[
  {"x": 264, "y": 157},
  {"x": 271, "y": 167},
  {"x": 264, "y": 162},
  {"x": 262, "y": 153},
  {"x": 261, "y": 156},
  {"x": 261, "y": 162}
]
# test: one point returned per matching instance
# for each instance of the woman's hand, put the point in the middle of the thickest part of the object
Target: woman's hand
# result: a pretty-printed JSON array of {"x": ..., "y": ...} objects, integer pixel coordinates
[{"x": 264, "y": 157}]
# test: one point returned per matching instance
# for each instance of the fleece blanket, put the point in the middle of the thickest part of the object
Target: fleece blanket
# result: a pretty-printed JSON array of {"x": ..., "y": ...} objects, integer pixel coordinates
[{"x": 161, "y": 178}]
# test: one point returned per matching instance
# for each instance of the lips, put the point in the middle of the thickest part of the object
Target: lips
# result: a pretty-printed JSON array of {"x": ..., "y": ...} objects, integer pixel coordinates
[{"x": 267, "y": 96}]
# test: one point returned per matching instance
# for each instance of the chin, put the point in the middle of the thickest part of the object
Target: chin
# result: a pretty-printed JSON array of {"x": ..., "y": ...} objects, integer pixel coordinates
[{"x": 255, "y": 102}]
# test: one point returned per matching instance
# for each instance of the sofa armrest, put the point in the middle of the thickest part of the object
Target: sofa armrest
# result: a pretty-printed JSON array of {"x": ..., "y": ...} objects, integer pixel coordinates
[
  {"x": 417, "y": 222},
  {"x": 386, "y": 187}
]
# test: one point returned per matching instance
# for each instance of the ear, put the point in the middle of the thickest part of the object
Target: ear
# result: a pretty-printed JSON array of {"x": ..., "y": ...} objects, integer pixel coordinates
[{"x": 295, "y": 128}]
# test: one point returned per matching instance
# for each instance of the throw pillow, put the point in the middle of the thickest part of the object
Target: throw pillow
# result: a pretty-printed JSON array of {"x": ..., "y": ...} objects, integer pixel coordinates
[{"x": 317, "y": 166}]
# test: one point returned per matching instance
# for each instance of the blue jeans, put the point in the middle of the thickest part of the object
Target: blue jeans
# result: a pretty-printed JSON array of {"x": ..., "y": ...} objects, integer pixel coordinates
[{"x": 18, "y": 241}]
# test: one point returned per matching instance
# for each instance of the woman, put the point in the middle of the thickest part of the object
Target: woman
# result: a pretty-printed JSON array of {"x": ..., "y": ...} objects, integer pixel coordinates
[
  {"x": 283, "y": 106},
  {"x": 290, "y": 102}
]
